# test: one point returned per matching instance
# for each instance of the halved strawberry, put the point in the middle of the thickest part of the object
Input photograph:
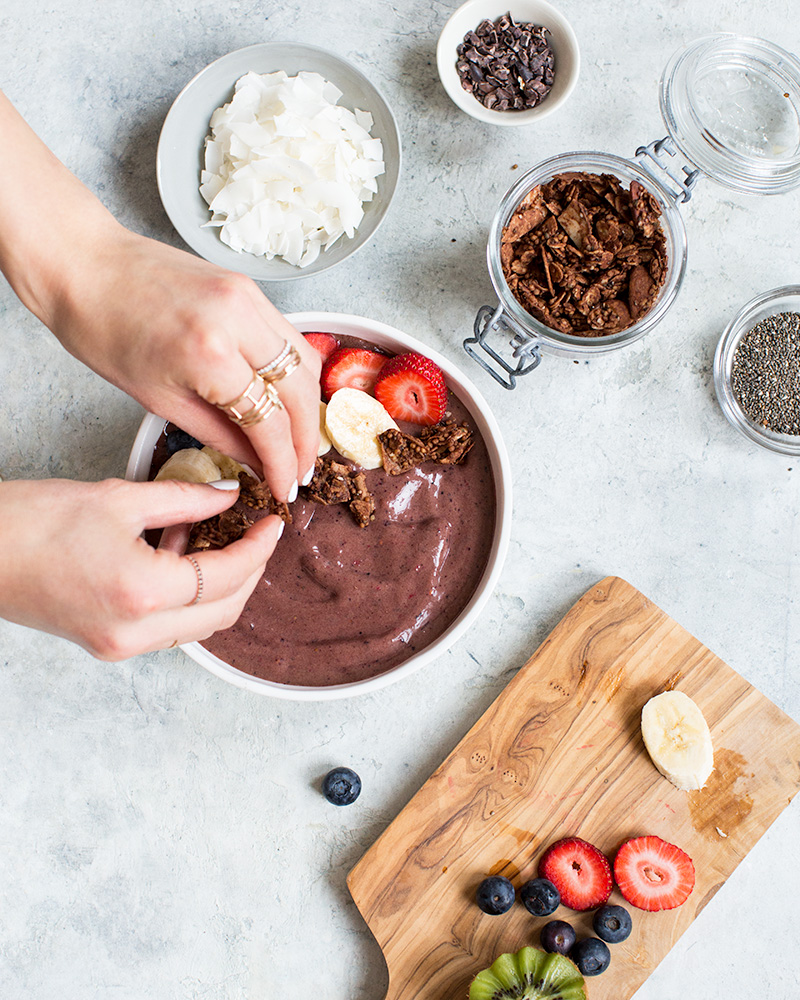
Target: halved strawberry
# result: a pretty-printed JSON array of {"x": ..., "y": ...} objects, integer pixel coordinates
[
  {"x": 412, "y": 387},
  {"x": 323, "y": 343},
  {"x": 579, "y": 871},
  {"x": 352, "y": 368},
  {"x": 653, "y": 874}
]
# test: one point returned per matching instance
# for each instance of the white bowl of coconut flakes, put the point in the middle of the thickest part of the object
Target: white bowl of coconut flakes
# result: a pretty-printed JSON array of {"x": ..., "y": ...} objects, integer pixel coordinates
[{"x": 300, "y": 165}]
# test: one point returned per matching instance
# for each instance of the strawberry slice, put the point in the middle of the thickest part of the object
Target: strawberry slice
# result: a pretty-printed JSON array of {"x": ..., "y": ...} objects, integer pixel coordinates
[
  {"x": 653, "y": 874},
  {"x": 412, "y": 387},
  {"x": 323, "y": 343},
  {"x": 351, "y": 368},
  {"x": 579, "y": 871}
]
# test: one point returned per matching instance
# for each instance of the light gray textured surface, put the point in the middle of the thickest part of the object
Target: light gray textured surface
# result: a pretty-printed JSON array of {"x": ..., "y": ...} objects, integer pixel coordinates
[{"x": 161, "y": 833}]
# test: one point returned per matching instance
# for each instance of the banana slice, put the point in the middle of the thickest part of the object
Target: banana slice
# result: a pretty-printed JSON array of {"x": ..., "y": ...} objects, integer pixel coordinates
[
  {"x": 354, "y": 420},
  {"x": 228, "y": 466},
  {"x": 324, "y": 440},
  {"x": 678, "y": 739},
  {"x": 190, "y": 465}
]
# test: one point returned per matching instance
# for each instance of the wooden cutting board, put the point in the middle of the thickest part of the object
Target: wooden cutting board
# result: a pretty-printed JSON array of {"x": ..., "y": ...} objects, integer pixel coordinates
[{"x": 560, "y": 753}]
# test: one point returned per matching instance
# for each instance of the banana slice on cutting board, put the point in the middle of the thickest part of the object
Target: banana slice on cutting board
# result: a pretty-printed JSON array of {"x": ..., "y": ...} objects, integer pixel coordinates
[
  {"x": 354, "y": 420},
  {"x": 678, "y": 739},
  {"x": 190, "y": 465}
]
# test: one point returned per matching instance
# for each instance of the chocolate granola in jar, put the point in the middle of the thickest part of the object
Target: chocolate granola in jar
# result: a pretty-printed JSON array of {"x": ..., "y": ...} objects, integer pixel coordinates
[{"x": 588, "y": 250}]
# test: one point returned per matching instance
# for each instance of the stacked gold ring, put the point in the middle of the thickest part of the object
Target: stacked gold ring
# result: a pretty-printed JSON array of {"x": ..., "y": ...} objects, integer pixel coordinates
[
  {"x": 285, "y": 363},
  {"x": 263, "y": 405}
]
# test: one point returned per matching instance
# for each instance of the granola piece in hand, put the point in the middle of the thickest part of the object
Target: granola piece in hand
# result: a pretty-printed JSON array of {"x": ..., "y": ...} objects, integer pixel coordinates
[
  {"x": 218, "y": 531},
  {"x": 259, "y": 497}
]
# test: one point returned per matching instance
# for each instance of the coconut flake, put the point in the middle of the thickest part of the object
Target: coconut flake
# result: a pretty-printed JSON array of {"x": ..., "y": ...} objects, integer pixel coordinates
[{"x": 287, "y": 169}]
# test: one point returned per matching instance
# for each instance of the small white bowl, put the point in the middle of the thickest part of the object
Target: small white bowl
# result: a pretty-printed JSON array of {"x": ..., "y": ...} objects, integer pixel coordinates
[
  {"x": 182, "y": 143},
  {"x": 562, "y": 41},
  {"x": 391, "y": 339}
]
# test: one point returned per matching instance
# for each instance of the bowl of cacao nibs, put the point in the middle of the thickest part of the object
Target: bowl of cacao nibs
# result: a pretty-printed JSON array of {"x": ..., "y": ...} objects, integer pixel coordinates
[
  {"x": 508, "y": 63},
  {"x": 757, "y": 370}
]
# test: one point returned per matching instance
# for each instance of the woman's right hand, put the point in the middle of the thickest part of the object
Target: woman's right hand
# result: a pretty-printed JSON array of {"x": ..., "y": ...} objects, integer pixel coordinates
[{"x": 74, "y": 563}]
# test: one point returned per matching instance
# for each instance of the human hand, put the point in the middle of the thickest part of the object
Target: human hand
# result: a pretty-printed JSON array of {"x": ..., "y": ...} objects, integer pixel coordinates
[
  {"x": 181, "y": 335},
  {"x": 173, "y": 331},
  {"x": 75, "y": 564}
]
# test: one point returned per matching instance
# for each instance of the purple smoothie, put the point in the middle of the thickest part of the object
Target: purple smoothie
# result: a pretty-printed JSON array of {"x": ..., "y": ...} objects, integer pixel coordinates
[{"x": 339, "y": 603}]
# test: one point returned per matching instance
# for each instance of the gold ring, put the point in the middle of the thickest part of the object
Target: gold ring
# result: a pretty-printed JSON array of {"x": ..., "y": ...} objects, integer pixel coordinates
[
  {"x": 286, "y": 362},
  {"x": 199, "y": 573},
  {"x": 172, "y": 645},
  {"x": 263, "y": 405}
]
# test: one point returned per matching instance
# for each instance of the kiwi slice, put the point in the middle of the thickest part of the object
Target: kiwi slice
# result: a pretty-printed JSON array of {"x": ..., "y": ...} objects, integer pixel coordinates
[{"x": 530, "y": 974}]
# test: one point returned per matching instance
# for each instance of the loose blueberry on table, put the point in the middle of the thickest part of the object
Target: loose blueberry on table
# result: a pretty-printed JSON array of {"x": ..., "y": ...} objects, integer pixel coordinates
[{"x": 341, "y": 786}]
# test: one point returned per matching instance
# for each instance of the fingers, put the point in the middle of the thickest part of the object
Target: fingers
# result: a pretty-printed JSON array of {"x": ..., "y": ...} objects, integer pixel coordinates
[
  {"x": 169, "y": 502},
  {"x": 162, "y": 610},
  {"x": 299, "y": 391}
]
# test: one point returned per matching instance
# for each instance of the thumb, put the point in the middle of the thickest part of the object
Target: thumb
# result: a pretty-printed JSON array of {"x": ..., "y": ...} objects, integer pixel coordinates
[{"x": 157, "y": 505}]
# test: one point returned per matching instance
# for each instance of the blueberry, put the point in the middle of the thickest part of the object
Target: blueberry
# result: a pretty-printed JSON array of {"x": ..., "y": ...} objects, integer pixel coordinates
[
  {"x": 591, "y": 956},
  {"x": 495, "y": 895},
  {"x": 612, "y": 923},
  {"x": 558, "y": 936},
  {"x": 341, "y": 786},
  {"x": 177, "y": 440},
  {"x": 540, "y": 897}
]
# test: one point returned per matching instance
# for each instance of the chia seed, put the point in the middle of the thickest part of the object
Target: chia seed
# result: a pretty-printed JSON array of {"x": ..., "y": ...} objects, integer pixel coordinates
[{"x": 765, "y": 374}]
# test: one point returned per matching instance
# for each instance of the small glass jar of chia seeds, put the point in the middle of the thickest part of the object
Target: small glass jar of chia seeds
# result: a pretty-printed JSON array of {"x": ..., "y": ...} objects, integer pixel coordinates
[
  {"x": 757, "y": 370},
  {"x": 732, "y": 109}
]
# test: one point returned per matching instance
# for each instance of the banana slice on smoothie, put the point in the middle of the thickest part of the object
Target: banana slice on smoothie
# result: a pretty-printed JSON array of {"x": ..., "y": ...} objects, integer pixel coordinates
[
  {"x": 324, "y": 441},
  {"x": 354, "y": 420},
  {"x": 678, "y": 739},
  {"x": 228, "y": 466},
  {"x": 190, "y": 465}
]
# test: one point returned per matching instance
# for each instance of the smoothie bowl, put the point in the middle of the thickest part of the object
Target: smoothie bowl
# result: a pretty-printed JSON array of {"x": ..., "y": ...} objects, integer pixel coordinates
[{"x": 345, "y": 609}]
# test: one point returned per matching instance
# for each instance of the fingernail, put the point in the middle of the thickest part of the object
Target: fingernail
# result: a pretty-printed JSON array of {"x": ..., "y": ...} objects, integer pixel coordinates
[
  {"x": 225, "y": 484},
  {"x": 292, "y": 493},
  {"x": 280, "y": 529},
  {"x": 308, "y": 476}
]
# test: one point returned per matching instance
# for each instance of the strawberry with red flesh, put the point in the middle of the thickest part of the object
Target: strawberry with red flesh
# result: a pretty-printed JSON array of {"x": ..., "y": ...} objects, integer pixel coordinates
[
  {"x": 323, "y": 343},
  {"x": 351, "y": 368},
  {"x": 411, "y": 387},
  {"x": 579, "y": 871},
  {"x": 653, "y": 874}
]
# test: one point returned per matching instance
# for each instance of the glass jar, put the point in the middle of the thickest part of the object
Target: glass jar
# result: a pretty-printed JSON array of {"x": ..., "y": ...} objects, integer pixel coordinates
[
  {"x": 786, "y": 299},
  {"x": 732, "y": 108}
]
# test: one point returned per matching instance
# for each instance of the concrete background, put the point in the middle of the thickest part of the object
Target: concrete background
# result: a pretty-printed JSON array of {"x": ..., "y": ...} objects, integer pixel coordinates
[{"x": 162, "y": 834}]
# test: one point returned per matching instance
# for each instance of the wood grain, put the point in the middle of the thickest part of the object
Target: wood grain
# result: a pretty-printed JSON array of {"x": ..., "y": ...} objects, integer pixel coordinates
[{"x": 560, "y": 753}]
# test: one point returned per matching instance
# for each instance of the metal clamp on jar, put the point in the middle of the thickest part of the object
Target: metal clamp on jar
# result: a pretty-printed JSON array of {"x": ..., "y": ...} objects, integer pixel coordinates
[{"x": 731, "y": 106}]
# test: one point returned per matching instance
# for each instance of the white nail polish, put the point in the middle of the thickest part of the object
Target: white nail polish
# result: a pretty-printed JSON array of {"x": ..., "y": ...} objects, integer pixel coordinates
[
  {"x": 280, "y": 529},
  {"x": 224, "y": 484},
  {"x": 308, "y": 476},
  {"x": 292, "y": 493}
]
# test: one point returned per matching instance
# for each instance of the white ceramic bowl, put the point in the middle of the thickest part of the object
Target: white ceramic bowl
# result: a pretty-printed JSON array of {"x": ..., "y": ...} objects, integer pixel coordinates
[
  {"x": 393, "y": 340},
  {"x": 181, "y": 146},
  {"x": 562, "y": 40}
]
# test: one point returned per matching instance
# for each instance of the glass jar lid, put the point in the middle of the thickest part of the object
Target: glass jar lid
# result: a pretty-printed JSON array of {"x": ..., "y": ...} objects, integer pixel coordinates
[{"x": 732, "y": 106}]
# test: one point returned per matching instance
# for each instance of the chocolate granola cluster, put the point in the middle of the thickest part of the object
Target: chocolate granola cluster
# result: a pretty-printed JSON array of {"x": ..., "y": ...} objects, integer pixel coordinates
[
  {"x": 585, "y": 255},
  {"x": 334, "y": 482}
]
